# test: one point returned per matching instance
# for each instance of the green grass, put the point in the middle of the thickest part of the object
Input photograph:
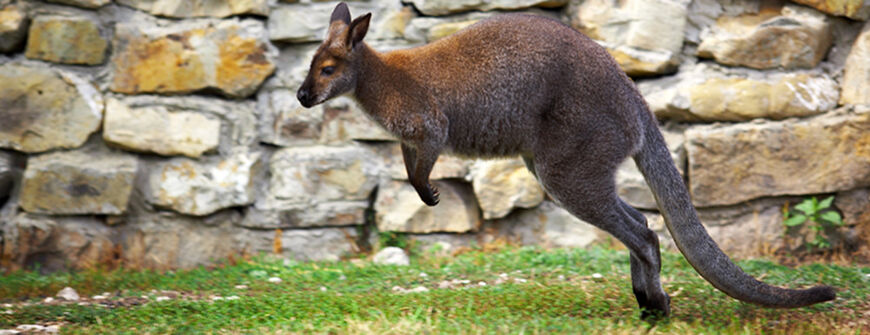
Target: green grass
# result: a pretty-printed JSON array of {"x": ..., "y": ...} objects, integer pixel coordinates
[{"x": 555, "y": 293}]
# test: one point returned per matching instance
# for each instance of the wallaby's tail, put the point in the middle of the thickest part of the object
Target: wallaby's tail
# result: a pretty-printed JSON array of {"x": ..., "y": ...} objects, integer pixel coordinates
[{"x": 654, "y": 161}]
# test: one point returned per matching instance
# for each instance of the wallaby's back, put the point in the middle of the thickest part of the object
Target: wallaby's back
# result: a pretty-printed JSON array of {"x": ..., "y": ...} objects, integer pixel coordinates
[{"x": 505, "y": 74}]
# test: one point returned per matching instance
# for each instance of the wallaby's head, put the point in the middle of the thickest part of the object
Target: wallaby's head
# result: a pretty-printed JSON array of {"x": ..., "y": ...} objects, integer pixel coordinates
[{"x": 334, "y": 68}]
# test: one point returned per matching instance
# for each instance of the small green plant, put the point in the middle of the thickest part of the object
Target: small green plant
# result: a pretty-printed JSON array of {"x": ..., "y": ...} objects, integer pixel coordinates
[
  {"x": 820, "y": 216},
  {"x": 393, "y": 239}
]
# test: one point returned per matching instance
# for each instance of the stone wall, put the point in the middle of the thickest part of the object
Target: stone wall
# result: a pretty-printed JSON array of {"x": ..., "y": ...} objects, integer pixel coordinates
[{"x": 166, "y": 133}]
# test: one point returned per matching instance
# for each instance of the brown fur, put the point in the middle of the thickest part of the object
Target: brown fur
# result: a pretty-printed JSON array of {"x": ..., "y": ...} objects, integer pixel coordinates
[{"x": 530, "y": 86}]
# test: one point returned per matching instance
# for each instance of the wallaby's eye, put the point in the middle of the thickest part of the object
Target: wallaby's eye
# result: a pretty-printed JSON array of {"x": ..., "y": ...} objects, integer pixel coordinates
[{"x": 327, "y": 71}]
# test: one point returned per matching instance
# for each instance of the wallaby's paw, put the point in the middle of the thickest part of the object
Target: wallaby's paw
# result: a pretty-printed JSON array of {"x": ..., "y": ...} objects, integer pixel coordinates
[{"x": 432, "y": 197}]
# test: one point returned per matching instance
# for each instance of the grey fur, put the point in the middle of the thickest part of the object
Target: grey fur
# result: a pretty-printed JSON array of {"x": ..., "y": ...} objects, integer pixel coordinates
[{"x": 530, "y": 86}]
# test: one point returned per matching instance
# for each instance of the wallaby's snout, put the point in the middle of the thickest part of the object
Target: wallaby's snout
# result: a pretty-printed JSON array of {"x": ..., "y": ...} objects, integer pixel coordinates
[{"x": 305, "y": 97}]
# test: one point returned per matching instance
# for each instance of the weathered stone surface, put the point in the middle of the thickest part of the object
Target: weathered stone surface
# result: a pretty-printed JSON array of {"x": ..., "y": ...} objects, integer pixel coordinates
[
  {"x": 83, "y": 3},
  {"x": 238, "y": 119},
  {"x": 644, "y": 36},
  {"x": 749, "y": 230},
  {"x": 391, "y": 256},
  {"x": 856, "y": 74},
  {"x": 442, "y": 7},
  {"x": 549, "y": 226},
  {"x": 201, "y": 188},
  {"x": 794, "y": 38},
  {"x": 200, "y": 8},
  {"x": 67, "y": 40},
  {"x": 317, "y": 186},
  {"x": 231, "y": 56},
  {"x": 88, "y": 181},
  {"x": 155, "y": 129},
  {"x": 502, "y": 185},
  {"x": 299, "y": 23},
  {"x": 315, "y": 244},
  {"x": 711, "y": 93},
  {"x": 45, "y": 109},
  {"x": 165, "y": 241},
  {"x": 399, "y": 208},
  {"x": 853, "y": 9},
  {"x": 446, "y": 167},
  {"x": 344, "y": 120},
  {"x": 855, "y": 206},
  {"x": 729, "y": 164},
  {"x": 630, "y": 183},
  {"x": 13, "y": 28},
  {"x": 284, "y": 122},
  {"x": 55, "y": 243}
]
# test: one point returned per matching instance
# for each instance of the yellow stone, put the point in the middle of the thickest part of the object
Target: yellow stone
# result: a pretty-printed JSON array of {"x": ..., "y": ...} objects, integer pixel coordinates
[{"x": 65, "y": 40}]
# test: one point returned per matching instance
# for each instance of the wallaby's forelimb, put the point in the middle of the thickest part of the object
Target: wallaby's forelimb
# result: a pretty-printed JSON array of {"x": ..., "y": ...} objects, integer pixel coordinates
[{"x": 419, "y": 163}]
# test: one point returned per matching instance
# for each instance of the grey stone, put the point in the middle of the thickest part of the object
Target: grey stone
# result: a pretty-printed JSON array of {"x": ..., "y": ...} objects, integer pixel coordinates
[
  {"x": 300, "y": 23},
  {"x": 398, "y": 208},
  {"x": 46, "y": 109},
  {"x": 391, "y": 256},
  {"x": 712, "y": 93},
  {"x": 200, "y": 8},
  {"x": 856, "y": 74},
  {"x": 83, "y": 3},
  {"x": 797, "y": 37},
  {"x": 345, "y": 121},
  {"x": 66, "y": 40},
  {"x": 238, "y": 119},
  {"x": 729, "y": 164},
  {"x": 853, "y": 9},
  {"x": 315, "y": 244},
  {"x": 547, "y": 225},
  {"x": 88, "y": 181},
  {"x": 55, "y": 243},
  {"x": 502, "y": 185},
  {"x": 644, "y": 36},
  {"x": 155, "y": 129},
  {"x": 202, "y": 188},
  {"x": 318, "y": 185},
  {"x": 165, "y": 241},
  {"x": 284, "y": 122}
]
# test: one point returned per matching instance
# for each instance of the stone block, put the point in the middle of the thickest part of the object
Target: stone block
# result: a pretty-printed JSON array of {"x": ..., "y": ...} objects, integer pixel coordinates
[
  {"x": 856, "y": 74},
  {"x": 13, "y": 28},
  {"x": 398, "y": 208},
  {"x": 46, "y": 109},
  {"x": 502, "y": 185},
  {"x": 66, "y": 40},
  {"x": 200, "y": 8}
]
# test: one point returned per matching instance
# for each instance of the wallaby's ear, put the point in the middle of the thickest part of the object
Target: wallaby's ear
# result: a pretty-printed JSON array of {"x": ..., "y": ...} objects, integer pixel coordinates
[
  {"x": 340, "y": 13},
  {"x": 358, "y": 29}
]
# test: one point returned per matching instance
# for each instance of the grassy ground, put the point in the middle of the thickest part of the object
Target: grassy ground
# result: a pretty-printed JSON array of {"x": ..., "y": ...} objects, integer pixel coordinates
[{"x": 513, "y": 290}]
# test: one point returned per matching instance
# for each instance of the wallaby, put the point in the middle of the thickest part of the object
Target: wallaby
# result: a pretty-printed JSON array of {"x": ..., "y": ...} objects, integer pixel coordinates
[{"x": 529, "y": 86}]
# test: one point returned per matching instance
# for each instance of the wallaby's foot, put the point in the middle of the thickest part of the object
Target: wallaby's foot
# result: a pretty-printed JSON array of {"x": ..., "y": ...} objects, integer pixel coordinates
[
  {"x": 653, "y": 309},
  {"x": 430, "y": 195}
]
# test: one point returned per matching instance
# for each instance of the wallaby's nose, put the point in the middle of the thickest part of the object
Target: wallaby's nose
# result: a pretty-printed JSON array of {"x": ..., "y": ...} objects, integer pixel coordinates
[{"x": 303, "y": 97}]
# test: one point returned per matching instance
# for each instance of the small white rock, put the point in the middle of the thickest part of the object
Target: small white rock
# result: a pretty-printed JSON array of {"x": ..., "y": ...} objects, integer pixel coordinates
[
  {"x": 483, "y": 283},
  {"x": 161, "y": 298},
  {"x": 9, "y": 311},
  {"x": 418, "y": 289},
  {"x": 597, "y": 276},
  {"x": 7, "y": 305},
  {"x": 67, "y": 293},
  {"x": 323, "y": 289},
  {"x": 444, "y": 284},
  {"x": 423, "y": 275},
  {"x": 99, "y": 297},
  {"x": 30, "y": 328},
  {"x": 48, "y": 300},
  {"x": 397, "y": 289},
  {"x": 275, "y": 280},
  {"x": 9, "y": 332},
  {"x": 391, "y": 256},
  {"x": 233, "y": 297},
  {"x": 561, "y": 277},
  {"x": 54, "y": 329},
  {"x": 241, "y": 287},
  {"x": 520, "y": 280},
  {"x": 217, "y": 298}
]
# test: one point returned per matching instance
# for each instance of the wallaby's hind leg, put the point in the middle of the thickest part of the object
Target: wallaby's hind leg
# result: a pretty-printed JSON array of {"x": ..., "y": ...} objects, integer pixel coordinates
[{"x": 583, "y": 184}]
